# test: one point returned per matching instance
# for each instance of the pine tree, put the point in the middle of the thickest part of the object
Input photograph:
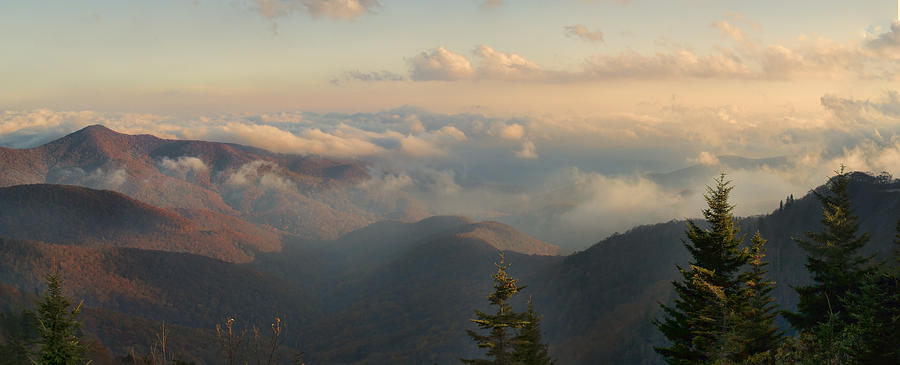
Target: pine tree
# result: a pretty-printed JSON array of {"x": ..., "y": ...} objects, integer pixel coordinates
[
  {"x": 832, "y": 258},
  {"x": 500, "y": 326},
  {"x": 58, "y": 329},
  {"x": 699, "y": 321},
  {"x": 756, "y": 332},
  {"x": 529, "y": 348}
]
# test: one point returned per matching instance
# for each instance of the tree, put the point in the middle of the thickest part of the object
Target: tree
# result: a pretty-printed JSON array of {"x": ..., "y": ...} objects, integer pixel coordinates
[
  {"x": 17, "y": 330},
  {"x": 833, "y": 260},
  {"x": 875, "y": 315},
  {"x": 529, "y": 348},
  {"x": 58, "y": 330},
  {"x": 897, "y": 247},
  {"x": 499, "y": 340},
  {"x": 756, "y": 332},
  {"x": 699, "y": 321}
]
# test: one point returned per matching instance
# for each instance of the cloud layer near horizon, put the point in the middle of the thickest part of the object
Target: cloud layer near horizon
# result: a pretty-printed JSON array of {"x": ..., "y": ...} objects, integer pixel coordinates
[
  {"x": 739, "y": 58},
  {"x": 548, "y": 176}
]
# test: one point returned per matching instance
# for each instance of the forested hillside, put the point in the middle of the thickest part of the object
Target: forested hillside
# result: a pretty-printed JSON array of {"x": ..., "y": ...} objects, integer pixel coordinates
[{"x": 392, "y": 292}]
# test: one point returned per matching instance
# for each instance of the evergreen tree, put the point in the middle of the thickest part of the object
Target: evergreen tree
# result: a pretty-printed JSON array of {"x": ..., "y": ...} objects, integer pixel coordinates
[
  {"x": 756, "y": 332},
  {"x": 58, "y": 329},
  {"x": 875, "y": 314},
  {"x": 698, "y": 323},
  {"x": 832, "y": 258},
  {"x": 529, "y": 349},
  {"x": 500, "y": 326},
  {"x": 17, "y": 329},
  {"x": 897, "y": 247}
]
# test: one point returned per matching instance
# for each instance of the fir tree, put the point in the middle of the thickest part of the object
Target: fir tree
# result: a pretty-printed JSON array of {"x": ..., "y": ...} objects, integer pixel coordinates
[
  {"x": 59, "y": 331},
  {"x": 875, "y": 314},
  {"x": 897, "y": 247},
  {"x": 500, "y": 326},
  {"x": 756, "y": 332},
  {"x": 697, "y": 324},
  {"x": 18, "y": 331},
  {"x": 832, "y": 258},
  {"x": 529, "y": 348}
]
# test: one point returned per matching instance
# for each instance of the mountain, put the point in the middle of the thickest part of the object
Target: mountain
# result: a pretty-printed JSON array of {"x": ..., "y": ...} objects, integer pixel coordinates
[
  {"x": 304, "y": 195},
  {"x": 415, "y": 308},
  {"x": 136, "y": 265},
  {"x": 75, "y": 215},
  {"x": 127, "y": 293},
  {"x": 597, "y": 304},
  {"x": 354, "y": 288}
]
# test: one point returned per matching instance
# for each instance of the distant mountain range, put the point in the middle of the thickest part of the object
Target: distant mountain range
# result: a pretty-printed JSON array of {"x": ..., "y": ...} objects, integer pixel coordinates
[
  {"x": 196, "y": 232},
  {"x": 298, "y": 194}
]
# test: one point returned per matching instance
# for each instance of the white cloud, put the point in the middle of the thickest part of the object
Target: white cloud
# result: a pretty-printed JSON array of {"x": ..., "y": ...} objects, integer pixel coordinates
[
  {"x": 374, "y": 76},
  {"x": 310, "y": 141},
  {"x": 112, "y": 178},
  {"x": 705, "y": 158},
  {"x": 528, "y": 150},
  {"x": 581, "y": 32},
  {"x": 747, "y": 59},
  {"x": 887, "y": 44},
  {"x": 677, "y": 64},
  {"x": 490, "y": 167},
  {"x": 505, "y": 66},
  {"x": 451, "y": 131},
  {"x": 262, "y": 174},
  {"x": 334, "y": 9},
  {"x": 615, "y": 202},
  {"x": 512, "y": 131},
  {"x": 440, "y": 64},
  {"x": 183, "y": 164}
]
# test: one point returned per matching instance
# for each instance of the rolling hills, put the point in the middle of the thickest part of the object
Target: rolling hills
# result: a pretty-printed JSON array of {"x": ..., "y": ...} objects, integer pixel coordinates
[{"x": 196, "y": 232}]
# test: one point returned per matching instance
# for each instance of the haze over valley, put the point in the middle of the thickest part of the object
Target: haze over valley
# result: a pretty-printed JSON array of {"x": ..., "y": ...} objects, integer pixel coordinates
[{"x": 356, "y": 168}]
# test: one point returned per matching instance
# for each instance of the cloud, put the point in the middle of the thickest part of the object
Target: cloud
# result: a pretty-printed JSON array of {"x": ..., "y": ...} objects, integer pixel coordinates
[
  {"x": 340, "y": 9},
  {"x": 621, "y": 202},
  {"x": 885, "y": 110},
  {"x": 309, "y": 141},
  {"x": 677, "y": 64},
  {"x": 745, "y": 59},
  {"x": 440, "y": 64},
  {"x": 505, "y": 66},
  {"x": 581, "y": 32},
  {"x": 705, "y": 158},
  {"x": 271, "y": 10},
  {"x": 731, "y": 31},
  {"x": 489, "y": 167},
  {"x": 452, "y": 132},
  {"x": 374, "y": 76},
  {"x": 528, "y": 150},
  {"x": 111, "y": 178},
  {"x": 512, "y": 131},
  {"x": 21, "y": 129},
  {"x": 262, "y": 174},
  {"x": 887, "y": 44},
  {"x": 183, "y": 164}
]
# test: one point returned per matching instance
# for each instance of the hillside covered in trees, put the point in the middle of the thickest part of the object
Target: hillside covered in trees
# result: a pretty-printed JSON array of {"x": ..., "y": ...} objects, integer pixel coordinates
[{"x": 389, "y": 292}]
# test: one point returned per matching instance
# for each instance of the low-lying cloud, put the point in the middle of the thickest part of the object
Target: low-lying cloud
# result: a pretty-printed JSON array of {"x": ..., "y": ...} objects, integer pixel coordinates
[
  {"x": 549, "y": 176},
  {"x": 183, "y": 164}
]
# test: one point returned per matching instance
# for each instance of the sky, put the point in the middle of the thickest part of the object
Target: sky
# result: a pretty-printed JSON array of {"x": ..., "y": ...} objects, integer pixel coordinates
[{"x": 526, "y": 111}]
